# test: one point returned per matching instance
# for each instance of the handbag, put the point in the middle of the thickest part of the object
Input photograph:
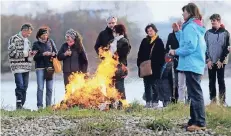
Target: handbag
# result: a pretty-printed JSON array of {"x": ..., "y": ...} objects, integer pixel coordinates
[
  {"x": 146, "y": 67},
  {"x": 57, "y": 65},
  {"x": 49, "y": 72}
]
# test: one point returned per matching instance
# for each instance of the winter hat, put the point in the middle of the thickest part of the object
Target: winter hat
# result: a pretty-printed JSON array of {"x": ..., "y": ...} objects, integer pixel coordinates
[
  {"x": 72, "y": 33},
  {"x": 40, "y": 32}
]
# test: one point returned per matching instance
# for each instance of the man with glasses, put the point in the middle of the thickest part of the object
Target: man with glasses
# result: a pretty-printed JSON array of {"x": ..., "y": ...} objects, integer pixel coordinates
[
  {"x": 20, "y": 58},
  {"x": 106, "y": 35}
]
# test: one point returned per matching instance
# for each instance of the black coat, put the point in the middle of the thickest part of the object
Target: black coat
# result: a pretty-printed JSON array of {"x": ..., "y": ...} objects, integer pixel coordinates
[
  {"x": 174, "y": 45},
  {"x": 103, "y": 39},
  {"x": 157, "y": 57},
  {"x": 40, "y": 60},
  {"x": 77, "y": 62},
  {"x": 123, "y": 49}
]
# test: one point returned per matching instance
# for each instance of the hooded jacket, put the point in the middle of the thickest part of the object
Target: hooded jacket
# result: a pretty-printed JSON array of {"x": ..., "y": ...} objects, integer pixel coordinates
[{"x": 192, "y": 47}]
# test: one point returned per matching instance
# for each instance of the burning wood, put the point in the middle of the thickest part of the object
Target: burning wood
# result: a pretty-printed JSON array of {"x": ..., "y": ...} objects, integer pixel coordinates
[{"x": 96, "y": 92}]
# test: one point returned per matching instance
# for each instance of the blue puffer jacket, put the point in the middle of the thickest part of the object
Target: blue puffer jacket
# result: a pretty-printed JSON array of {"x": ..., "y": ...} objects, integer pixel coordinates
[{"x": 192, "y": 47}]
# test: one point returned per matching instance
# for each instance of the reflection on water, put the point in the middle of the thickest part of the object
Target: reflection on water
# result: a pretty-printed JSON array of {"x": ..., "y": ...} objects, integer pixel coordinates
[{"x": 134, "y": 91}]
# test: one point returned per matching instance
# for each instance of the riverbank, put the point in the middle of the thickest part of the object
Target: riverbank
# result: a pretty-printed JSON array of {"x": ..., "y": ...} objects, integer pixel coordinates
[{"x": 134, "y": 120}]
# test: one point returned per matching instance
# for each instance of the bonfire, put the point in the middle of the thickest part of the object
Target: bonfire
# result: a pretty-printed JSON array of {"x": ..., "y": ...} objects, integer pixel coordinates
[{"x": 96, "y": 91}]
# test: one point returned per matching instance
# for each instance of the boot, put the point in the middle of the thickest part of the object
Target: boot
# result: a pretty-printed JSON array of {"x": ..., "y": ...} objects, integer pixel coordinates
[{"x": 18, "y": 105}]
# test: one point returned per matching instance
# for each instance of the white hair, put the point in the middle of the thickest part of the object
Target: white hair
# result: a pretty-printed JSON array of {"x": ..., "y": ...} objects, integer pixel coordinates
[{"x": 111, "y": 17}]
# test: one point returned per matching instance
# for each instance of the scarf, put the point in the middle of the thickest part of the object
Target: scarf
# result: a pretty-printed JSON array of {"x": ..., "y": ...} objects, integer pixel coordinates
[
  {"x": 153, "y": 38},
  {"x": 42, "y": 41},
  {"x": 26, "y": 45},
  {"x": 113, "y": 45}
]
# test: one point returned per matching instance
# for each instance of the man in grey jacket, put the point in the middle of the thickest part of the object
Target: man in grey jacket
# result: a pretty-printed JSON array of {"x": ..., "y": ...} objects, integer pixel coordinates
[{"x": 217, "y": 41}]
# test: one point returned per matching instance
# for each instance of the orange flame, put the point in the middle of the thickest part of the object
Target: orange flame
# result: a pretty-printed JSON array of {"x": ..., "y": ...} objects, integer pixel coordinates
[{"x": 93, "y": 91}]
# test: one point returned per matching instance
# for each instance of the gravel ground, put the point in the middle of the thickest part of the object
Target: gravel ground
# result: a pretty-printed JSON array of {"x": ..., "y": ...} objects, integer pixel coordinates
[{"x": 62, "y": 126}]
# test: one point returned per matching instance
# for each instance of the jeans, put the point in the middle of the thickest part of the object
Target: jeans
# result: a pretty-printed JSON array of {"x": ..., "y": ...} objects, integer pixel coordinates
[
  {"x": 21, "y": 81},
  {"x": 151, "y": 92},
  {"x": 40, "y": 87},
  {"x": 197, "y": 107},
  {"x": 221, "y": 81},
  {"x": 119, "y": 85}
]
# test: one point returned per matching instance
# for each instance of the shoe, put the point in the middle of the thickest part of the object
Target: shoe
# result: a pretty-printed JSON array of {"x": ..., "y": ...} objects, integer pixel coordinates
[
  {"x": 166, "y": 103},
  {"x": 195, "y": 128},
  {"x": 148, "y": 105},
  {"x": 155, "y": 105},
  {"x": 213, "y": 101},
  {"x": 224, "y": 104},
  {"x": 18, "y": 106}
]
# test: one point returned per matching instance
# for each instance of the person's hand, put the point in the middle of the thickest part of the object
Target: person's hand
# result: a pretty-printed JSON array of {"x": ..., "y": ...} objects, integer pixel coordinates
[
  {"x": 229, "y": 48},
  {"x": 32, "y": 53},
  {"x": 210, "y": 64},
  {"x": 175, "y": 27},
  {"x": 53, "y": 54},
  {"x": 219, "y": 64},
  {"x": 172, "y": 52},
  {"x": 67, "y": 53}
]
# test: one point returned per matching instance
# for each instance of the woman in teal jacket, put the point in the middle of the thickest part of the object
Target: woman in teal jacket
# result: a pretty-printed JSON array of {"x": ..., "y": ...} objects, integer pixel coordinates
[{"x": 192, "y": 62}]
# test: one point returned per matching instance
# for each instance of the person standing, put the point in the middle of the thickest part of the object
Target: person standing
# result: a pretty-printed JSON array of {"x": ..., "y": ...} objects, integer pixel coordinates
[
  {"x": 192, "y": 61},
  {"x": 73, "y": 55},
  {"x": 106, "y": 35},
  {"x": 120, "y": 47},
  {"x": 151, "y": 47},
  {"x": 46, "y": 51},
  {"x": 20, "y": 58},
  {"x": 217, "y": 41},
  {"x": 180, "y": 80}
]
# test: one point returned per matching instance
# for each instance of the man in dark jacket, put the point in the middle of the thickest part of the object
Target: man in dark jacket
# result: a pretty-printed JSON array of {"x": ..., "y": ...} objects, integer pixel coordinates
[
  {"x": 106, "y": 35},
  {"x": 217, "y": 41}
]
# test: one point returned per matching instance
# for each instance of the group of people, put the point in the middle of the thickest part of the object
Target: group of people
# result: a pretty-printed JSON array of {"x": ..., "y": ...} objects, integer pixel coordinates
[{"x": 189, "y": 48}]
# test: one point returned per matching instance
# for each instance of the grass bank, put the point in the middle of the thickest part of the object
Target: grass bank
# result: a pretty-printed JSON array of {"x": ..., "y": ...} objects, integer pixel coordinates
[{"x": 218, "y": 118}]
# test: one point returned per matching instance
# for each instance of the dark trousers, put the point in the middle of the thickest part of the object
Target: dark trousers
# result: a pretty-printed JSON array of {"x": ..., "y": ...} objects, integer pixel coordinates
[
  {"x": 219, "y": 74},
  {"x": 21, "y": 81},
  {"x": 151, "y": 92},
  {"x": 65, "y": 77},
  {"x": 174, "y": 91},
  {"x": 197, "y": 108},
  {"x": 119, "y": 85}
]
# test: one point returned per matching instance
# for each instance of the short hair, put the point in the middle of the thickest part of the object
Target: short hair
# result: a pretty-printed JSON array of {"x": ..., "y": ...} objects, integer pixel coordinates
[
  {"x": 193, "y": 10},
  {"x": 27, "y": 27},
  {"x": 111, "y": 17},
  {"x": 152, "y": 26},
  {"x": 215, "y": 17},
  {"x": 45, "y": 27},
  {"x": 120, "y": 29}
]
